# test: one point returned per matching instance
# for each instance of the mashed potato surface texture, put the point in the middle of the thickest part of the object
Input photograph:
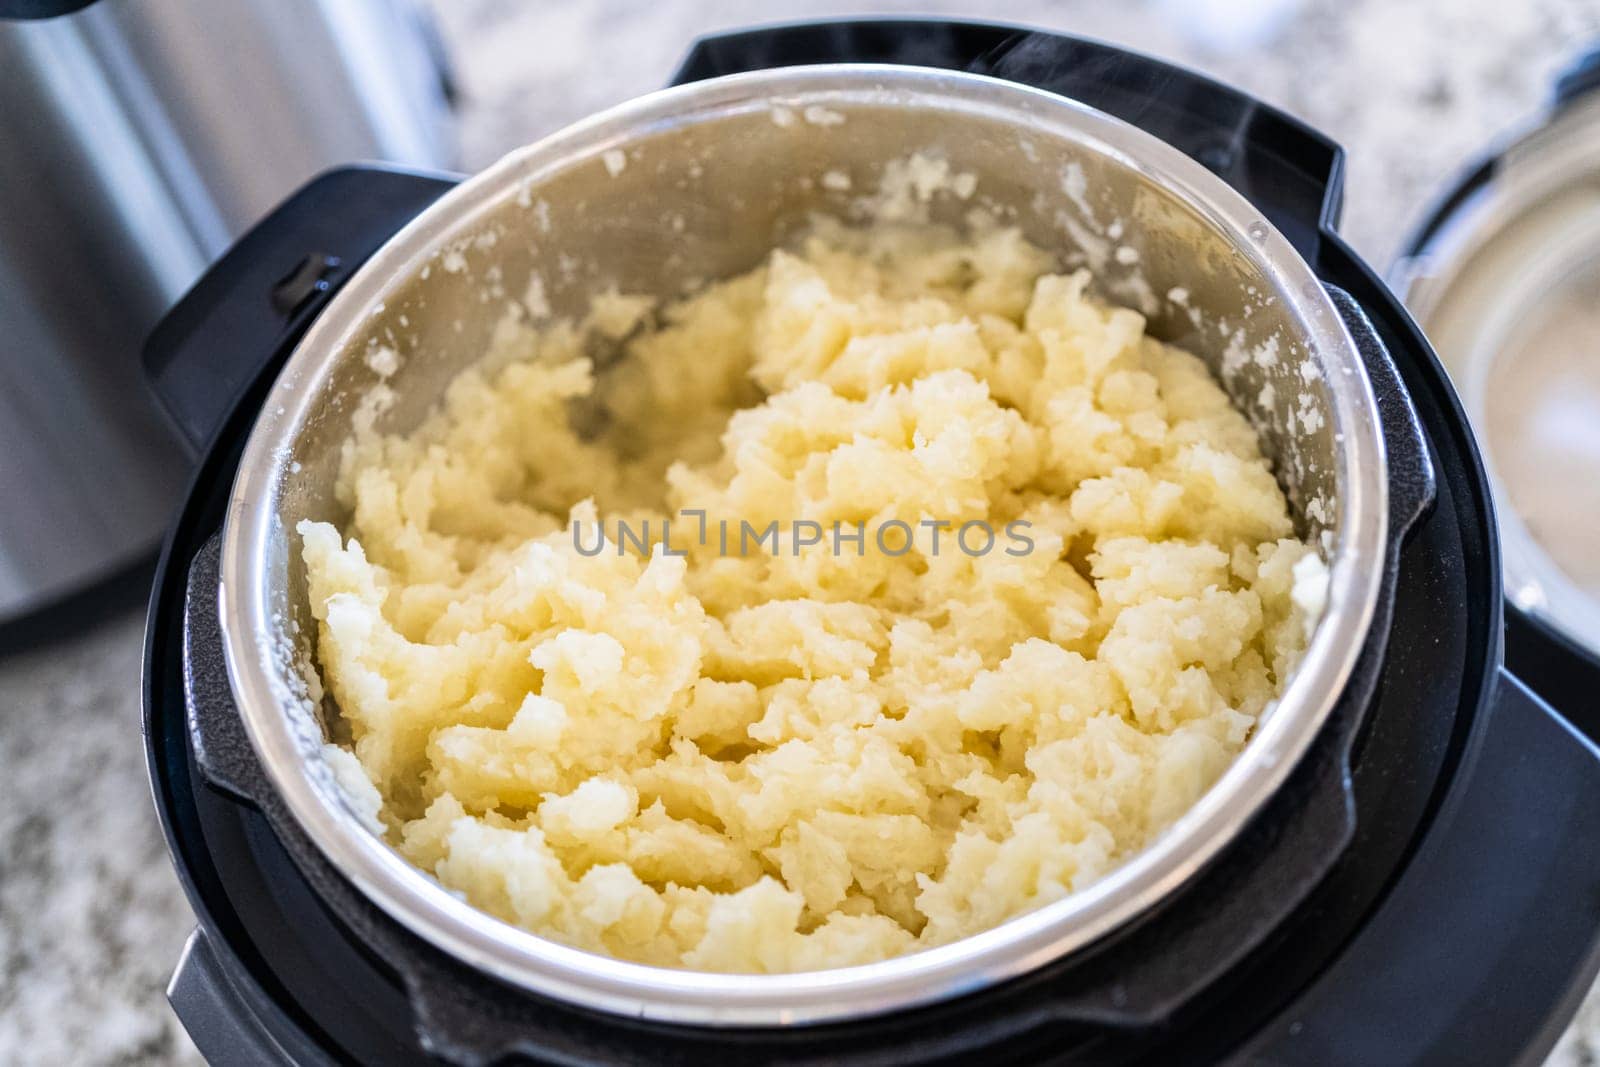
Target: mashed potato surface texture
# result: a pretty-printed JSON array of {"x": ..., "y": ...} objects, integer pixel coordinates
[{"x": 676, "y": 747}]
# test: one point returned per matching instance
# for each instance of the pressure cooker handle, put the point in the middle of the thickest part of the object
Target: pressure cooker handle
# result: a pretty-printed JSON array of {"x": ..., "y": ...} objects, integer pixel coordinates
[
  {"x": 1291, "y": 173},
  {"x": 249, "y": 309},
  {"x": 1412, "y": 481},
  {"x": 1492, "y": 934},
  {"x": 217, "y": 737}
]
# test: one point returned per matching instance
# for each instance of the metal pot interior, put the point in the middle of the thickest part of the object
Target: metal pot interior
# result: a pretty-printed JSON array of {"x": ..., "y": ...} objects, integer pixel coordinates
[{"x": 701, "y": 182}]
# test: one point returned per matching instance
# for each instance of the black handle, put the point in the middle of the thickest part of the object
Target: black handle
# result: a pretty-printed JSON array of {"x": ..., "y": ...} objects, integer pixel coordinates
[
  {"x": 1412, "y": 481},
  {"x": 254, "y": 303},
  {"x": 1489, "y": 970},
  {"x": 222, "y": 750},
  {"x": 1290, "y": 172}
]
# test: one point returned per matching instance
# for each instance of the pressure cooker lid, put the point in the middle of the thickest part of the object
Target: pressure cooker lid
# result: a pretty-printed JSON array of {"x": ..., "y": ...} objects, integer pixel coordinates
[{"x": 1504, "y": 277}]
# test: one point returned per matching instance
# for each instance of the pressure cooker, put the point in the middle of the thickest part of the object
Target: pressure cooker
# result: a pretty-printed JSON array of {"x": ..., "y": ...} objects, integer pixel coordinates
[
  {"x": 140, "y": 140},
  {"x": 1402, "y": 866}
]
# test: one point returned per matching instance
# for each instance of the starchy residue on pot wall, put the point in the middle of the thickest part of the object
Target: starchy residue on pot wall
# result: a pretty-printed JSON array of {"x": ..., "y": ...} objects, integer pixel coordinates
[{"x": 779, "y": 761}]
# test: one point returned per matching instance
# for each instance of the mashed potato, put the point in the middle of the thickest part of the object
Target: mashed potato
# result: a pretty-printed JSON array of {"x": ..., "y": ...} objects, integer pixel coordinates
[{"x": 681, "y": 747}]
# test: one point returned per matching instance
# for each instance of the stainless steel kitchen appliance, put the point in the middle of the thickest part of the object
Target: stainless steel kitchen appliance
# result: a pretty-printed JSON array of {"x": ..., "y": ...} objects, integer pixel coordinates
[
  {"x": 1399, "y": 869},
  {"x": 139, "y": 141},
  {"x": 1503, "y": 272}
]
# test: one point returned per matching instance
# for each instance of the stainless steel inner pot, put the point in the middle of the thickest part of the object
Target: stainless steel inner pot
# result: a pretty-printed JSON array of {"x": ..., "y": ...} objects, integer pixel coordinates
[{"x": 699, "y": 182}]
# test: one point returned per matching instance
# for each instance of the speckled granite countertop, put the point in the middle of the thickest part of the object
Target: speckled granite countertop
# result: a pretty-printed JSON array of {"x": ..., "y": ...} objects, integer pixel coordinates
[{"x": 91, "y": 918}]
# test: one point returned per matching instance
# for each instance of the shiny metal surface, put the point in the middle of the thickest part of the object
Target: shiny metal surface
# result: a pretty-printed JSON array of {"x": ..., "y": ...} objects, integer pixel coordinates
[
  {"x": 139, "y": 138},
  {"x": 1501, "y": 272},
  {"x": 742, "y": 174}
]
